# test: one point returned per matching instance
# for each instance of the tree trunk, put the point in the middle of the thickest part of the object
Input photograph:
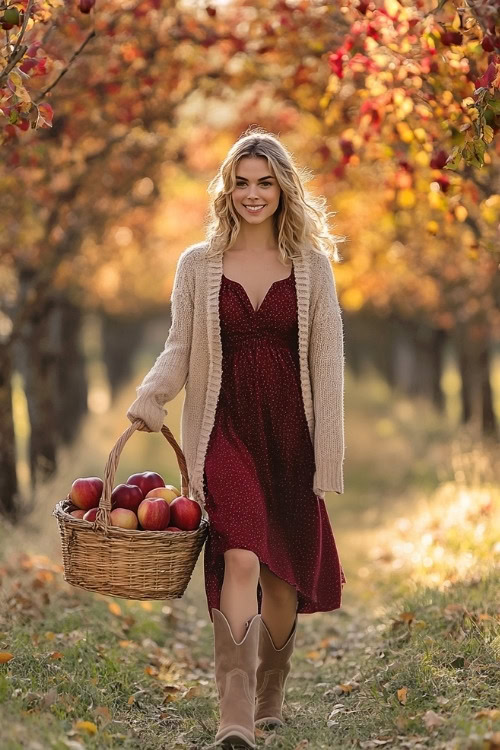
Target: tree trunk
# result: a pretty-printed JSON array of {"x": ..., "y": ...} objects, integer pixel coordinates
[
  {"x": 476, "y": 393},
  {"x": 72, "y": 389},
  {"x": 404, "y": 356},
  {"x": 418, "y": 353},
  {"x": 121, "y": 338},
  {"x": 438, "y": 346},
  {"x": 37, "y": 350},
  {"x": 429, "y": 348},
  {"x": 10, "y": 505},
  {"x": 488, "y": 413}
]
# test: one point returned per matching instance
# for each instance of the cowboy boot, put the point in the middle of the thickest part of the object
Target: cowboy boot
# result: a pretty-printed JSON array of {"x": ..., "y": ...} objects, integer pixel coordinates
[
  {"x": 235, "y": 675},
  {"x": 272, "y": 671}
]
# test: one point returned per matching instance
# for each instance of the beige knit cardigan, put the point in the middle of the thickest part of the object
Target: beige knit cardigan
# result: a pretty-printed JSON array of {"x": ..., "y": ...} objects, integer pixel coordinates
[{"x": 192, "y": 357}]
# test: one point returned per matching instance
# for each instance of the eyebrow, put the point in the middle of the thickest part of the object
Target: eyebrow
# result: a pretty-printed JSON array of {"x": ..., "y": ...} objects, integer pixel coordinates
[{"x": 260, "y": 178}]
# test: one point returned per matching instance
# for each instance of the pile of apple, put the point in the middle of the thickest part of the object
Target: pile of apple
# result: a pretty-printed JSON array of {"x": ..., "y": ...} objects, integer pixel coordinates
[{"x": 143, "y": 502}]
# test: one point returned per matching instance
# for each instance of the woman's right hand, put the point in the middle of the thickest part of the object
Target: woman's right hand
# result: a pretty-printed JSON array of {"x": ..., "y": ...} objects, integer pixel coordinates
[{"x": 143, "y": 426}]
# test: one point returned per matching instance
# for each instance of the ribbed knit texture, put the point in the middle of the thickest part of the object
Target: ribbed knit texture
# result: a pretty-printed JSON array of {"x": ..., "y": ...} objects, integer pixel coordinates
[{"x": 192, "y": 357}]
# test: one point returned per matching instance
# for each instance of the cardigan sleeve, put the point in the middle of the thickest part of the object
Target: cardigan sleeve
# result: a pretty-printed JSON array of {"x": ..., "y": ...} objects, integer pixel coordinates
[
  {"x": 326, "y": 363},
  {"x": 169, "y": 373}
]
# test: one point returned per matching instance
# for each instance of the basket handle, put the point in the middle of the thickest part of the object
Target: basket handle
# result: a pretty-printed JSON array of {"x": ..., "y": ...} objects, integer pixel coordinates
[{"x": 103, "y": 519}]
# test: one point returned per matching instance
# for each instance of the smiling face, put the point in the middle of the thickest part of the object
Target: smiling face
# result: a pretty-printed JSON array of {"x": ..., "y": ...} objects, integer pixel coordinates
[{"x": 256, "y": 185}]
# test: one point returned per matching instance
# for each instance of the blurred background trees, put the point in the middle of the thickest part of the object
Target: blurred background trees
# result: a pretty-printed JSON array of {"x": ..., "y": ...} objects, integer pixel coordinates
[{"x": 114, "y": 117}]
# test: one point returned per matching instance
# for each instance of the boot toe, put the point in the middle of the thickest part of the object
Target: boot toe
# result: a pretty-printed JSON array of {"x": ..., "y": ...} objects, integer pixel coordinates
[{"x": 234, "y": 737}]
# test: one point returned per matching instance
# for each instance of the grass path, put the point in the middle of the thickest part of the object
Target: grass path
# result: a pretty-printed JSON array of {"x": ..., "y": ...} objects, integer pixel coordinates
[{"x": 409, "y": 661}]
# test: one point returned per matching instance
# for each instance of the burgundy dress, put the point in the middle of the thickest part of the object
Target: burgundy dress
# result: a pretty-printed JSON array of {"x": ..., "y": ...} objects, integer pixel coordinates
[{"x": 259, "y": 465}]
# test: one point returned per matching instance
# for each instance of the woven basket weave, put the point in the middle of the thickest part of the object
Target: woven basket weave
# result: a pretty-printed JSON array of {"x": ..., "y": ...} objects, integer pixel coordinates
[{"x": 131, "y": 564}]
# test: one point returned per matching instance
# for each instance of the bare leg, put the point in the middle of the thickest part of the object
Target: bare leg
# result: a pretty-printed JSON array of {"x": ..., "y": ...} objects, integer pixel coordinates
[
  {"x": 238, "y": 600},
  {"x": 279, "y": 605}
]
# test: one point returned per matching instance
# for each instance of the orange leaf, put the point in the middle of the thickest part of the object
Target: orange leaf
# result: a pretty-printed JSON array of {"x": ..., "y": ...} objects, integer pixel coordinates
[
  {"x": 56, "y": 655},
  {"x": 115, "y": 609},
  {"x": 407, "y": 616},
  {"x": 345, "y": 687},
  {"x": 490, "y": 713},
  {"x": 313, "y": 655},
  {"x": 5, "y": 657},
  {"x": 402, "y": 693},
  {"x": 104, "y": 712},
  {"x": 86, "y": 726}
]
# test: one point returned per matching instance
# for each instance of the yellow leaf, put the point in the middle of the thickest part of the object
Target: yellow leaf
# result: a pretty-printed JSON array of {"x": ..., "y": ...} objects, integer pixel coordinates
[
  {"x": 15, "y": 78},
  {"x": 5, "y": 656},
  {"x": 86, "y": 726},
  {"x": 171, "y": 698},
  {"x": 406, "y": 198},
  {"x": 115, "y": 609},
  {"x": 488, "y": 133},
  {"x": 147, "y": 606},
  {"x": 50, "y": 635},
  {"x": 402, "y": 693}
]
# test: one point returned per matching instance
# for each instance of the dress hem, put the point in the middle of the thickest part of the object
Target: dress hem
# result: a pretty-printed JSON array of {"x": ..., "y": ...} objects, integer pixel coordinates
[{"x": 295, "y": 586}]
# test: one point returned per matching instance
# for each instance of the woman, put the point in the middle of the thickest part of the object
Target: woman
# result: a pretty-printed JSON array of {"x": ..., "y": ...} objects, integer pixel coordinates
[{"x": 257, "y": 339}]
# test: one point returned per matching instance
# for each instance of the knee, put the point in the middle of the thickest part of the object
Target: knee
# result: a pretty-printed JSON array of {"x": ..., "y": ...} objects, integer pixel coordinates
[{"x": 241, "y": 563}]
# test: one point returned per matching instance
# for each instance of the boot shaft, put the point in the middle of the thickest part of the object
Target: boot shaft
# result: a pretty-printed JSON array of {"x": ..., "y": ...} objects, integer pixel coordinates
[{"x": 235, "y": 675}]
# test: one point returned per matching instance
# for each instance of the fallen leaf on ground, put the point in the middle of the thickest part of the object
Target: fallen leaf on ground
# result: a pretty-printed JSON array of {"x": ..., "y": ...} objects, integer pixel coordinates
[
  {"x": 432, "y": 719},
  {"x": 402, "y": 693},
  {"x": 491, "y": 713},
  {"x": 86, "y": 726}
]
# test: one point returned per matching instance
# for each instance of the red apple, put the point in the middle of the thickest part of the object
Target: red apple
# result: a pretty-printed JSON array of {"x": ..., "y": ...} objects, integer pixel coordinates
[
  {"x": 154, "y": 514},
  {"x": 86, "y": 492},
  {"x": 77, "y": 513},
  {"x": 124, "y": 518},
  {"x": 91, "y": 514},
  {"x": 185, "y": 513},
  {"x": 127, "y": 496},
  {"x": 172, "y": 528},
  {"x": 146, "y": 480}
]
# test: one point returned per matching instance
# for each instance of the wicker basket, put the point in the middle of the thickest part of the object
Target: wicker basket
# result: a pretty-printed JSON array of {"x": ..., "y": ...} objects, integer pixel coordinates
[{"x": 131, "y": 564}]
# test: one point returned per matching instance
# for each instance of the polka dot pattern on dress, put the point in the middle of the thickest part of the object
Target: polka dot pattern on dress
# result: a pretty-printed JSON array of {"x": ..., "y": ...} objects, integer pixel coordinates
[{"x": 259, "y": 464}]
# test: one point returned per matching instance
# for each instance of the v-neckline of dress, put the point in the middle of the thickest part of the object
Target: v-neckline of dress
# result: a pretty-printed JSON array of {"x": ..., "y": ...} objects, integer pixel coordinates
[{"x": 278, "y": 281}]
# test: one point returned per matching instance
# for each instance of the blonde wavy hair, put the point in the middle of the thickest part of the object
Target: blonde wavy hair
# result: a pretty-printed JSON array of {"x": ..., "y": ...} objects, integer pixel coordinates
[{"x": 301, "y": 219}]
